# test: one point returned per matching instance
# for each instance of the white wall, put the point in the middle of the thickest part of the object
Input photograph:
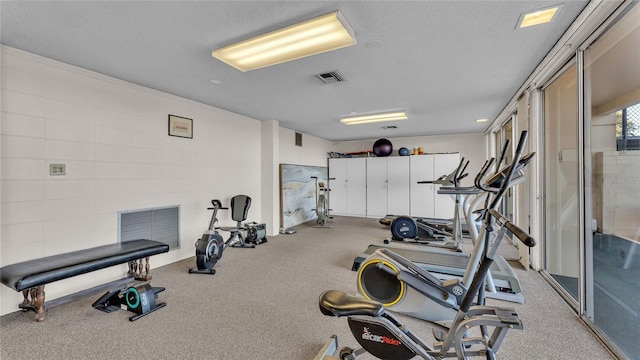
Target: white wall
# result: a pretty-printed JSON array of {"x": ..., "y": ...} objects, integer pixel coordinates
[
  {"x": 312, "y": 153},
  {"x": 112, "y": 136},
  {"x": 270, "y": 176},
  {"x": 472, "y": 147}
]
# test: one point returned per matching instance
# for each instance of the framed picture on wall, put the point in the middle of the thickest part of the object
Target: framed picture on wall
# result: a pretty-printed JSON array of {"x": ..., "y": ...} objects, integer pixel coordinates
[{"x": 180, "y": 126}]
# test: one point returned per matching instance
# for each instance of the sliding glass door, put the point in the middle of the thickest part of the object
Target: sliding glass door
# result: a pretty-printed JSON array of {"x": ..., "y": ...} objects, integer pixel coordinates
[
  {"x": 612, "y": 173},
  {"x": 561, "y": 190}
]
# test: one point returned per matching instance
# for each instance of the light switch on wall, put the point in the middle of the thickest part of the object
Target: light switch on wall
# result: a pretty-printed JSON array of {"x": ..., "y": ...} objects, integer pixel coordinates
[{"x": 57, "y": 169}]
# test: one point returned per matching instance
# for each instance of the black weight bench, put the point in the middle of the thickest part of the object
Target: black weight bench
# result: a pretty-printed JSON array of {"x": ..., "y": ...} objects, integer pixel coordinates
[{"x": 31, "y": 276}]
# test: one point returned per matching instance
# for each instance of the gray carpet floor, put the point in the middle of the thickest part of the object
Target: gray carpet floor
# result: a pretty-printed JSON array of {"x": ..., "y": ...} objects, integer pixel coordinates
[{"x": 263, "y": 304}]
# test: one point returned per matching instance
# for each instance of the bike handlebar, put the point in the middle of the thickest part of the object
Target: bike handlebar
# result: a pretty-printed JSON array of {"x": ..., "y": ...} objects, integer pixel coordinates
[{"x": 217, "y": 204}]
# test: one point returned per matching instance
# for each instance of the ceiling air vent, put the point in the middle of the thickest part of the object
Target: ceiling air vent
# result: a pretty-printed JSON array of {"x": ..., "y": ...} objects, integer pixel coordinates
[{"x": 329, "y": 77}]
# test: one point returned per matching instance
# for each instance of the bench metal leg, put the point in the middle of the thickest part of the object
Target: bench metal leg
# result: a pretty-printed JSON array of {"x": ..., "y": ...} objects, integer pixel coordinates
[
  {"x": 136, "y": 269},
  {"x": 34, "y": 301},
  {"x": 40, "y": 309}
]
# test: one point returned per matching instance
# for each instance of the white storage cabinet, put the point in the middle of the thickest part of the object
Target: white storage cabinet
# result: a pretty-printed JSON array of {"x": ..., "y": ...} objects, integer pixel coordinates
[{"x": 348, "y": 194}]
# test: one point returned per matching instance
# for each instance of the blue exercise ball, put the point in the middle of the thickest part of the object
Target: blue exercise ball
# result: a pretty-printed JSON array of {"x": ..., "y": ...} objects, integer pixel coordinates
[
  {"x": 382, "y": 147},
  {"x": 403, "y": 151}
]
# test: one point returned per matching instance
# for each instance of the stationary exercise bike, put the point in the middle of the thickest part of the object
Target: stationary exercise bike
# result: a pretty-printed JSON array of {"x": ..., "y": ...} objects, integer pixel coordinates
[
  {"x": 256, "y": 233},
  {"x": 210, "y": 246},
  {"x": 322, "y": 203}
]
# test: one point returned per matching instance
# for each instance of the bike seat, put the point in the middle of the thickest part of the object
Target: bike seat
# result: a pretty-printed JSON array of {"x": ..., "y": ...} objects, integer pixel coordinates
[{"x": 338, "y": 303}]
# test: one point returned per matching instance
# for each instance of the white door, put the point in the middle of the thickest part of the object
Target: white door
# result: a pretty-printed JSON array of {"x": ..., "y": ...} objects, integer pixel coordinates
[
  {"x": 398, "y": 185},
  {"x": 377, "y": 187},
  {"x": 338, "y": 194},
  {"x": 444, "y": 164},
  {"x": 357, "y": 187},
  {"x": 422, "y": 195}
]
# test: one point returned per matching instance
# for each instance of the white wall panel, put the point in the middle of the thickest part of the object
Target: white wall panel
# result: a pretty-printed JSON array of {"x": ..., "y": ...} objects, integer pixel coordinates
[
  {"x": 68, "y": 150},
  {"x": 61, "y": 86},
  {"x": 116, "y": 153},
  {"x": 149, "y": 155},
  {"x": 22, "y": 169},
  {"x": 29, "y": 81},
  {"x": 69, "y": 189},
  {"x": 67, "y": 111},
  {"x": 22, "y": 234},
  {"x": 22, "y": 147},
  {"x": 22, "y": 125},
  {"x": 60, "y": 229},
  {"x": 22, "y": 212},
  {"x": 70, "y": 131},
  {"x": 76, "y": 169},
  {"x": 313, "y": 151},
  {"x": 17, "y": 253},
  {"x": 22, "y": 190},
  {"x": 24, "y": 104},
  {"x": 114, "y": 136},
  {"x": 68, "y": 208}
]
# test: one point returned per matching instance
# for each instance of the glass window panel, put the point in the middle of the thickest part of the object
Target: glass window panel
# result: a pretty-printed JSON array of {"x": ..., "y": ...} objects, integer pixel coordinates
[
  {"x": 561, "y": 180},
  {"x": 612, "y": 73}
]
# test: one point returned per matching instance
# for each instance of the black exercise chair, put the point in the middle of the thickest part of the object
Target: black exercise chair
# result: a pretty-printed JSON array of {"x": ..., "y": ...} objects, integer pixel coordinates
[{"x": 239, "y": 210}]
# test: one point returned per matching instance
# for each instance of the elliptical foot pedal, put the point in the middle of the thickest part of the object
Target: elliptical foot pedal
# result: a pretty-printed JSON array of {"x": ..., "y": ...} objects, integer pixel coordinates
[{"x": 508, "y": 316}]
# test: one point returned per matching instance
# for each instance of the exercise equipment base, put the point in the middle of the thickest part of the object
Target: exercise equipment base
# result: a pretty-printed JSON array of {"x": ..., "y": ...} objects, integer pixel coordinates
[{"x": 203, "y": 271}]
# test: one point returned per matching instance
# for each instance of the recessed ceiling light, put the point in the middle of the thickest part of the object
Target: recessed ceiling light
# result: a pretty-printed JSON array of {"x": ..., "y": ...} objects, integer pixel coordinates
[
  {"x": 537, "y": 17},
  {"x": 371, "y": 118},
  {"x": 482, "y": 120},
  {"x": 215, "y": 81},
  {"x": 323, "y": 33}
]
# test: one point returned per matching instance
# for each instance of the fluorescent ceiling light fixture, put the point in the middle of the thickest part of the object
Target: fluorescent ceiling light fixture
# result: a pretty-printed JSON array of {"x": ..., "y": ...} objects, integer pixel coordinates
[
  {"x": 372, "y": 118},
  {"x": 538, "y": 17},
  {"x": 311, "y": 37},
  {"x": 482, "y": 120}
]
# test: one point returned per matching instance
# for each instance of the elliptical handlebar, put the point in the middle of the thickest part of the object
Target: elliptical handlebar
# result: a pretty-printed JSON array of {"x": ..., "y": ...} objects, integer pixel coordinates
[
  {"x": 522, "y": 235},
  {"x": 512, "y": 169},
  {"x": 461, "y": 174},
  {"x": 483, "y": 172},
  {"x": 503, "y": 154}
]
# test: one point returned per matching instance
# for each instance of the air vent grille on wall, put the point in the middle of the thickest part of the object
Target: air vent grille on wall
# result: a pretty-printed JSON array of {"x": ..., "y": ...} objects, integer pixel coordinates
[
  {"x": 329, "y": 77},
  {"x": 298, "y": 139}
]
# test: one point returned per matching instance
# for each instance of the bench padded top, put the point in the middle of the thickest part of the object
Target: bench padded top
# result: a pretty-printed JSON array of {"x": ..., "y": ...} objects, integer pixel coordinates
[{"x": 31, "y": 273}]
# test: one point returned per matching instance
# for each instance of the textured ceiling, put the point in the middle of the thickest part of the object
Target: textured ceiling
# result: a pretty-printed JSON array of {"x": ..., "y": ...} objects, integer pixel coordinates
[{"x": 446, "y": 63}]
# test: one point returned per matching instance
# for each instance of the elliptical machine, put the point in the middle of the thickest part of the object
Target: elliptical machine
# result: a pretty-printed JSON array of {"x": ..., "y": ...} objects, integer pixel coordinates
[
  {"x": 382, "y": 278},
  {"x": 210, "y": 246},
  {"x": 322, "y": 203},
  {"x": 385, "y": 336},
  {"x": 445, "y": 233}
]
